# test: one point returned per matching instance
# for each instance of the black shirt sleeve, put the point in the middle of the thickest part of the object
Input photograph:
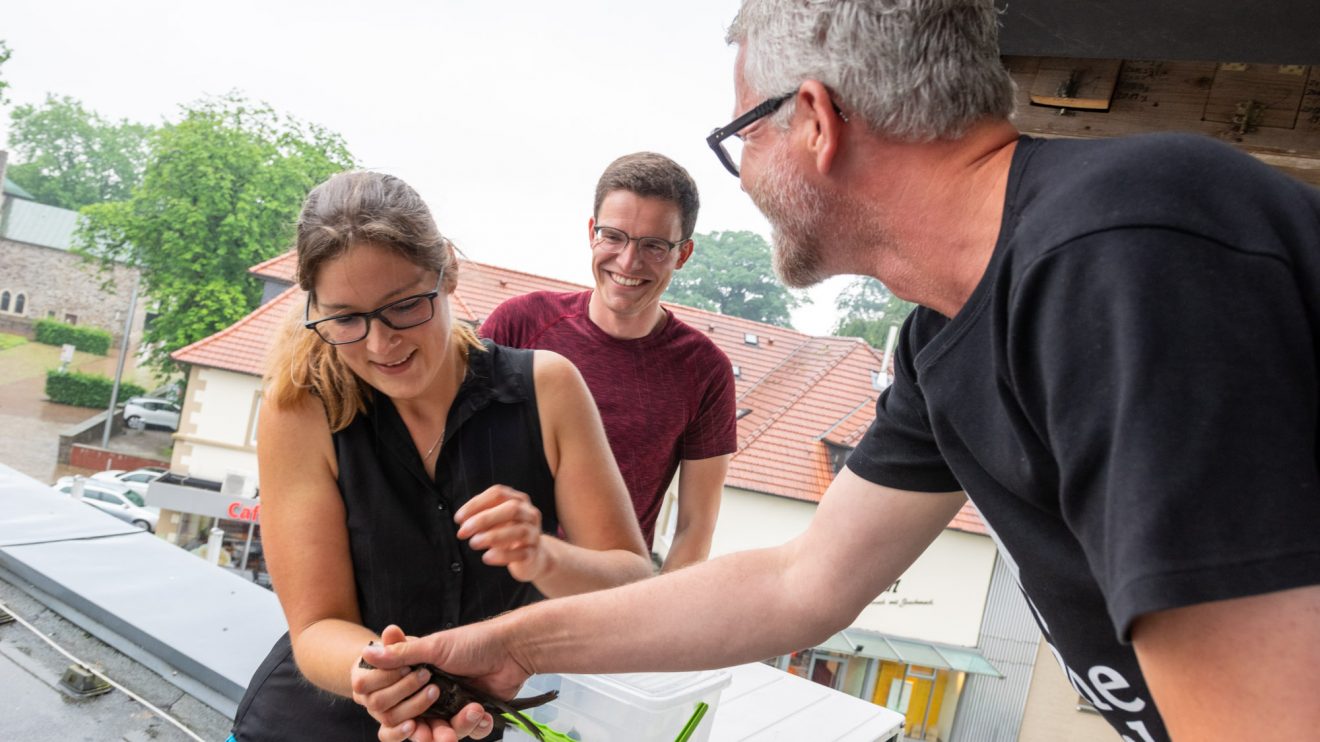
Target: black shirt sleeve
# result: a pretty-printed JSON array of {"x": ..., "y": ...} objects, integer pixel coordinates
[
  {"x": 1175, "y": 380},
  {"x": 899, "y": 449}
]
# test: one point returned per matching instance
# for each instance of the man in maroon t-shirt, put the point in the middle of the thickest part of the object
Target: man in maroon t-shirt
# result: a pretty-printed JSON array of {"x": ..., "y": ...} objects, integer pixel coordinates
[{"x": 665, "y": 391}]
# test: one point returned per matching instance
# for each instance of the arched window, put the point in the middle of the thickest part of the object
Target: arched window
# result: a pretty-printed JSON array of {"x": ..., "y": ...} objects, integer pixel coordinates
[
  {"x": 19, "y": 302},
  {"x": 4, "y": 302}
]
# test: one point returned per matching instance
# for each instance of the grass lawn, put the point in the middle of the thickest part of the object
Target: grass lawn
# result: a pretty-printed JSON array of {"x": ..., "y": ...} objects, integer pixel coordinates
[
  {"x": 27, "y": 359},
  {"x": 8, "y": 341}
]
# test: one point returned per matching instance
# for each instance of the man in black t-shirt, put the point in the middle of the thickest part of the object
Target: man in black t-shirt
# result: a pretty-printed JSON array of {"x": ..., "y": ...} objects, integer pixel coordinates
[{"x": 1115, "y": 358}]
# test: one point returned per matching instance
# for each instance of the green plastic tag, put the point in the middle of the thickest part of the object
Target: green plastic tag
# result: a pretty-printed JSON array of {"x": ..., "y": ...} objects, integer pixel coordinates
[{"x": 693, "y": 723}]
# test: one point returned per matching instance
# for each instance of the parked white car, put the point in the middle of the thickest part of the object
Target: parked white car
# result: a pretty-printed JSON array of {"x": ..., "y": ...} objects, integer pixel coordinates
[
  {"x": 113, "y": 498},
  {"x": 136, "y": 480},
  {"x": 140, "y": 412}
]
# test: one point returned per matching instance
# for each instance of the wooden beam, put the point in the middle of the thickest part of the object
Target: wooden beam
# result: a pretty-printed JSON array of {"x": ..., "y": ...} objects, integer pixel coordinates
[{"x": 1087, "y": 84}]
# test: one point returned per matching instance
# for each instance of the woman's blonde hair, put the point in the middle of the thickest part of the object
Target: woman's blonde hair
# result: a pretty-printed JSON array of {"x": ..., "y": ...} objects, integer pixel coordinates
[{"x": 354, "y": 208}]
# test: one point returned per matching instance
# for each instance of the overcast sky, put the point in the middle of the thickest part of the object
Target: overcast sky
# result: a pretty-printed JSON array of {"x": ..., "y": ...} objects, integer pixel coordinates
[{"x": 501, "y": 114}]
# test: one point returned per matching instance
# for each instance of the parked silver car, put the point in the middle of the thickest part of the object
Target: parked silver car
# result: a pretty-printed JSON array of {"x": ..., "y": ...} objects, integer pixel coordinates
[
  {"x": 140, "y": 412},
  {"x": 136, "y": 480},
  {"x": 113, "y": 498}
]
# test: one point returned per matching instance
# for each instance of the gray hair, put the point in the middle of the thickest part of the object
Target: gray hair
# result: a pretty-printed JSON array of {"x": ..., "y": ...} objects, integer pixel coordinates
[{"x": 914, "y": 70}]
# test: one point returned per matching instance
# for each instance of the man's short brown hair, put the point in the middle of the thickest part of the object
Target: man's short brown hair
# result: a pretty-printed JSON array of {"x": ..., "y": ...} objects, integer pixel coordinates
[{"x": 652, "y": 175}]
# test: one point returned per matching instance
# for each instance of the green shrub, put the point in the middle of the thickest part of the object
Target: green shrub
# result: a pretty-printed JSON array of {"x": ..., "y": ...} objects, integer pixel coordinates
[
  {"x": 86, "y": 390},
  {"x": 86, "y": 339},
  {"x": 8, "y": 341}
]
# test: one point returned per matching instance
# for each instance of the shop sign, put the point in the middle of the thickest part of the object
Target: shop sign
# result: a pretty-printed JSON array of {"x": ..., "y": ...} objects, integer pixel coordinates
[{"x": 184, "y": 499}]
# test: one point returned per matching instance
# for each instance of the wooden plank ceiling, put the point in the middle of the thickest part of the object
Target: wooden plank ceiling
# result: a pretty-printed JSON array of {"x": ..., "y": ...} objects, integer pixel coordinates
[
  {"x": 1268, "y": 110},
  {"x": 1276, "y": 31},
  {"x": 1245, "y": 72}
]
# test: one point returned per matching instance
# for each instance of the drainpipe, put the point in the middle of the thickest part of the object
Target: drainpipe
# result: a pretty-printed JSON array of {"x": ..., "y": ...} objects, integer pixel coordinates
[{"x": 889, "y": 355}]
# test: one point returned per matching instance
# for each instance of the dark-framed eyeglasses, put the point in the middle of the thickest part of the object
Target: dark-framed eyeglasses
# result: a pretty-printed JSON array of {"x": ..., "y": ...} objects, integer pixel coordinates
[
  {"x": 717, "y": 138},
  {"x": 342, "y": 329},
  {"x": 652, "y": 249},
  {"x": 727, "y": 137}
]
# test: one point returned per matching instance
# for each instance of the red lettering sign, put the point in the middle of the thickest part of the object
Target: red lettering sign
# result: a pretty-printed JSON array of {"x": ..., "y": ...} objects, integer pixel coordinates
[{"x": 237, "y": 511}]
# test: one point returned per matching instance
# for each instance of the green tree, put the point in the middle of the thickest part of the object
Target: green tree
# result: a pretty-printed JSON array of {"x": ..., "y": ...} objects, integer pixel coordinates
[
  {"x": 71, "y": 157},
  {"x": 867, "y": 309},
  {"x": 4, "y": 57},
  {"x": 221, "y": 192},
  {"x": 731, "y": 273}
]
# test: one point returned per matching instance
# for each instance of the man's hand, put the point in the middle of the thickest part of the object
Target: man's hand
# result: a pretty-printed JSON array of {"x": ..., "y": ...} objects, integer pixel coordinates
[
  {"x": 505, "y": 524},
  {"x": 476, "y": 652},
  {"x": 390, "y": 693}
]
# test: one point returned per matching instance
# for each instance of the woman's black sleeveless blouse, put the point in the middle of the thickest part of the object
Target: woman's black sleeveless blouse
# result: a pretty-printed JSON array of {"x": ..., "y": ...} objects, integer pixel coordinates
[{"x": 409, "y": 566}]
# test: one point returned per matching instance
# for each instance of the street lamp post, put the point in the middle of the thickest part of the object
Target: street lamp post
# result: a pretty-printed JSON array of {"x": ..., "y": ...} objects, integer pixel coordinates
[{"x": 119, "y": 368}]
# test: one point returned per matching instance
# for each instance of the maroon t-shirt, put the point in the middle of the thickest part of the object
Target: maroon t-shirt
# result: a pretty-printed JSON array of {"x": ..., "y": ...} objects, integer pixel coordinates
[{"x": 663, "y": 398}]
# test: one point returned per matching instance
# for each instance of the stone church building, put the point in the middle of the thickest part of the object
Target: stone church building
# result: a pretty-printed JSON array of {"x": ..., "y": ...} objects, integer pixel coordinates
[{"x": 40, "y": 277}]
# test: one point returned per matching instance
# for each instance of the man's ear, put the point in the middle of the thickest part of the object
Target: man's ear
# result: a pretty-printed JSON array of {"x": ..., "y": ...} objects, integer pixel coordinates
[
  {"x": 824, "y": 125},
  {"x": 684, "y": 252},
  {"x": 591, "y": 230}
]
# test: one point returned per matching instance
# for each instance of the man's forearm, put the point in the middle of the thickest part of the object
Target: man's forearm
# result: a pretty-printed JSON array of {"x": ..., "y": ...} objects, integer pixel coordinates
[
  {"x": 688, "y": 548},
  {"x": 700, "y": 485},
  {"x": 693, "y": 619}
]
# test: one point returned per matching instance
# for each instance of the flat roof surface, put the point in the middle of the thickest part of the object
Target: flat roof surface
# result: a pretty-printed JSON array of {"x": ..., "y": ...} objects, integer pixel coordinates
[
  {"x": 34, "y": 707},
  {"x": 108, "y": 588}
]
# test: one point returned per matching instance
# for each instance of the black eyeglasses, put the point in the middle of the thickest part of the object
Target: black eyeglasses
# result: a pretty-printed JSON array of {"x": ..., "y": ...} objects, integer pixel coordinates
[
  {"x": 343, "y": 329},
  {"x": 718, "y": 138},
  {"x": 652, "y": 249}
]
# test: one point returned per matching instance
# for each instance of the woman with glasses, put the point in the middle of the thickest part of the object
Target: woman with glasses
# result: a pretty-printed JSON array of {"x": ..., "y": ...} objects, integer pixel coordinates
[{"x": 413, "y": 478}]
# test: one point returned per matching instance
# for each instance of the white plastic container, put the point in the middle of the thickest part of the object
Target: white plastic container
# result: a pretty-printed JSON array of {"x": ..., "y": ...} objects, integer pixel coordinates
[{"x": 638, "y": 707}]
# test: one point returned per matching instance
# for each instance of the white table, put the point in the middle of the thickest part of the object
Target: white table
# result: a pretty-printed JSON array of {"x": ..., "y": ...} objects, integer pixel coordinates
[{"x": 763, "y": 704}]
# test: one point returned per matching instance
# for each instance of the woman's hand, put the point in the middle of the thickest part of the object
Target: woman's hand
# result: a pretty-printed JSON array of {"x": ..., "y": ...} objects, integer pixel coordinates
[
  {"x": 505, "y": 524},
  {"x": 396, "y": 697}
]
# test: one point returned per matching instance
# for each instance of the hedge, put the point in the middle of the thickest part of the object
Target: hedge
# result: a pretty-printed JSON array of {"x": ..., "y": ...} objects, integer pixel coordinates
[
  {"x": 86, "y": 339},
  {"x": 86, "y": 390}
]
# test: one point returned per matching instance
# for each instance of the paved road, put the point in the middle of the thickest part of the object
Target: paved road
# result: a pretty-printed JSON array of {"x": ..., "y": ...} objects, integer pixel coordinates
[{"x": 30, "y": 425}]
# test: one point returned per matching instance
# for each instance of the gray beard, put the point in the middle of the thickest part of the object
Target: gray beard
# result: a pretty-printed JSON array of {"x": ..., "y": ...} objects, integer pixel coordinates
[
  {"x": 796, "y": 212},
  {"x": 801, "y": 231}
]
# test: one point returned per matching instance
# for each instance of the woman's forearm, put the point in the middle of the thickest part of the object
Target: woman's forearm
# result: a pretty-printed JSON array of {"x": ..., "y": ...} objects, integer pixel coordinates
[
  {"x": 327, "y": 650},
  {"x": 573, "y": 569}
]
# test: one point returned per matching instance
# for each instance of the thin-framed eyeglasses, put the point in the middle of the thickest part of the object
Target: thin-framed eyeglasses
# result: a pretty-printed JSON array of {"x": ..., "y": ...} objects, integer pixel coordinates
[
  {"x": 652, "y": 249},
  {"x": 342, "y": 329},
  {"x": 720, "y": 139}
]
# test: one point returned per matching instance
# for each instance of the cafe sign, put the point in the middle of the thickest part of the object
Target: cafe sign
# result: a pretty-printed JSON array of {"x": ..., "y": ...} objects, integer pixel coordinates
[{"x": 184, "y": 499}]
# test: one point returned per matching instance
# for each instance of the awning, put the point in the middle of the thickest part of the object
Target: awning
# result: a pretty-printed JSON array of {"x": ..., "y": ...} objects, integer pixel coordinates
[{"x": 860, "y": 643}]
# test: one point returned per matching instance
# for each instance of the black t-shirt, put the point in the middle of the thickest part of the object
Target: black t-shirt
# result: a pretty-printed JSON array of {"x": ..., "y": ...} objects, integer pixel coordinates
[{"x": 1129, "y": 396}]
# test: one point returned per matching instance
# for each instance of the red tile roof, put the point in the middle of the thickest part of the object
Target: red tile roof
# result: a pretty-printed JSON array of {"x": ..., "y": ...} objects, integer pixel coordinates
[
  {"x": 242, "y": 346},
  {"x": 801, "y": 391},
  {"x": 281, "y": 268}
]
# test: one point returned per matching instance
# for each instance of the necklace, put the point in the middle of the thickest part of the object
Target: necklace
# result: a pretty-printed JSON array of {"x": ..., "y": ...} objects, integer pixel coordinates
[
  {"x": 431, "y": 450},
  {"x": 462, "y": 370}
]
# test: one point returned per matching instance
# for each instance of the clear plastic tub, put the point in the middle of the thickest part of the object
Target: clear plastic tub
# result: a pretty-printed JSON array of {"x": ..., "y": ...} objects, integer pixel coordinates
[{"x": 638, "y": 707}]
